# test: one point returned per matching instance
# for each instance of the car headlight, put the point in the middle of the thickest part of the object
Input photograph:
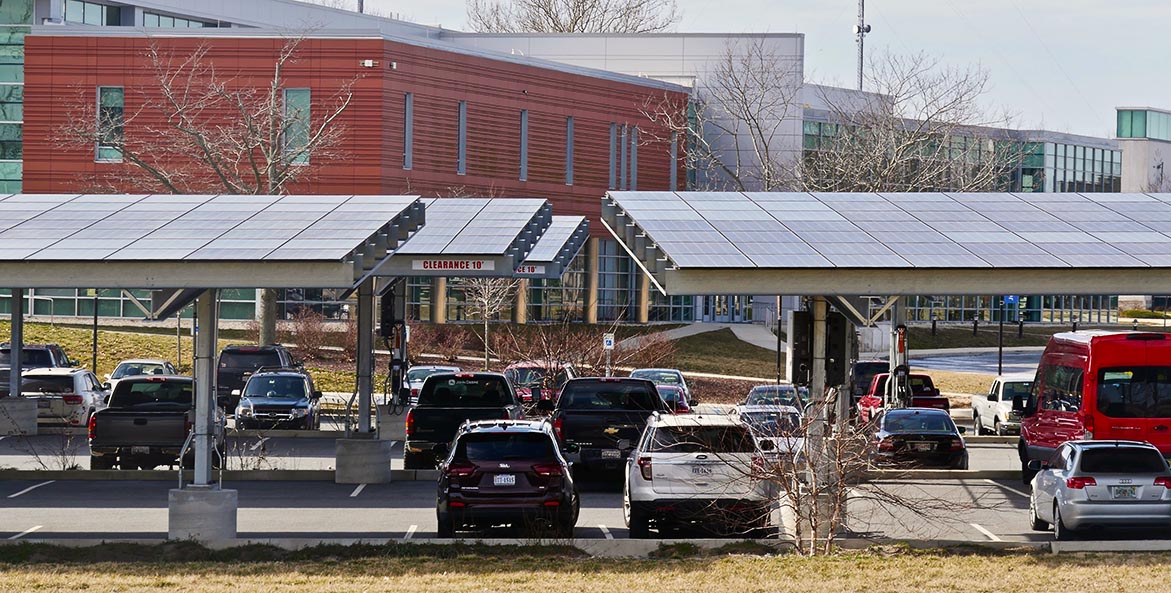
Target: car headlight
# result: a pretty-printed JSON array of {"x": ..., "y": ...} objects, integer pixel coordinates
[
  {"x": 300, "y": 412},
  {"x": 243, "y": 410}
]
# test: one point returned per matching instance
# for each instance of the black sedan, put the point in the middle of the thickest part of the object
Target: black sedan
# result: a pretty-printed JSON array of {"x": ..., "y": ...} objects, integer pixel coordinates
[{"x": 919, "y": 437}]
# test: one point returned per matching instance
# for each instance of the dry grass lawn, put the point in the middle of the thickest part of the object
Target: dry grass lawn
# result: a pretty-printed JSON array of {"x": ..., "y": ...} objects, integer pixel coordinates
[{"x": 871, "y": 572}]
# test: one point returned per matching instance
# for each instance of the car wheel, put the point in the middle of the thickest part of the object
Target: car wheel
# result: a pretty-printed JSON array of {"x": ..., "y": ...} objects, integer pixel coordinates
[
  {"x": 101, "y": 462},
  {"x": 1026, "y": 473},
  {"x": 568, "y": 520},
  {"x": 1060, "y": 531},
  {"x": 1036, "y": 524},
  {"x": 977, "y": 428},
  {"x": 446, "y": 525},
  {"x": 997, "y": 429},
  {"x": 636, "y": 520}
]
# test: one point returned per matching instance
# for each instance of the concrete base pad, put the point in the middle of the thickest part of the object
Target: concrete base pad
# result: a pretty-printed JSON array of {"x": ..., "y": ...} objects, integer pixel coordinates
[
  {"x": 18, "y": 416},
  {"x": 202, "y": 514},
  {"x": 391, "y": 427},
  {"x": 363, "y": 461}
]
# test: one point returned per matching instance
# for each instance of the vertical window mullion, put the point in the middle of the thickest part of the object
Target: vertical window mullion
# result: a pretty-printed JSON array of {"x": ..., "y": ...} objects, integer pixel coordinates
[
  {"x": 524, "y": 144},
  {"x": 569, "y": 150},
  {"x": 408, "y": 131}
]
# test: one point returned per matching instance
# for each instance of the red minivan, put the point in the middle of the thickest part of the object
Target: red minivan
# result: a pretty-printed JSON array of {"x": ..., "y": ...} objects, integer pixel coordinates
[{"x": 1098, "y": 384}]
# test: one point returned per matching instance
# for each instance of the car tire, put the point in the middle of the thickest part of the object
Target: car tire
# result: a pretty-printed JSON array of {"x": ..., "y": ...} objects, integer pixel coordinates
[
  {"x": 1026, "y": 473},
  {"x": 977, "y": 428},
  {"x": 637, "y": 521},
  {"x": 446, "y": 527},
  {"x": 1061, "y": 533},
  {"x": 997, "y": 429},
  {"x": 568, "y": 520},
  {"x": 1035, "y": 523},
  {"x": 101, "y": 462},
  {"x": 961, "y": 465}
]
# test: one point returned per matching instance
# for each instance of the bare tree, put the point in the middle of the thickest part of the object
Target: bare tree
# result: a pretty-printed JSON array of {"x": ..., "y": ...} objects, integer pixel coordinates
[
  {"x": 191, "y": 129},
  {"x": 572, "y": 16},
  {"x": 487, "y": 298}
]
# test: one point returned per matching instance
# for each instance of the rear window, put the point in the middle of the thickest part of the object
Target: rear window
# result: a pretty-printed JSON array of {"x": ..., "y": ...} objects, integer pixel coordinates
[
  {"x": 896, "y": 421},
  {"x": 138, "y": 368},
  {"x": 57, "y": 384},
  {"x": 152, "y": 393},
  {"x": 420, "y": 374},
  {"x": 659, "y": 377},
  {"x": 470, "y": 392},
  {"x": 536, "y": 377},
  {"x": 32, "y": 357},
  {"x": 1135, "y": 392},
  {"x": 616, "y": 395},
  {"x": 773, "y": 395},
  {"x": 1122, "y": 460},
  {"x": 503, "y": 446},
  {"x": 701, "y": 439},
  {"x": 1015, "y": 388},
  {"x": 249, "y": 360},
  {"x": 773, "y": 424}
]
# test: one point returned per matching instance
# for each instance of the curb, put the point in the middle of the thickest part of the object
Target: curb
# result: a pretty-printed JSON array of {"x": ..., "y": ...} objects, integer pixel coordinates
[
  {"x": 245, "y": 475},
  {"x": 885, "y": 475},
  {"x": 1108, "y": 546}
]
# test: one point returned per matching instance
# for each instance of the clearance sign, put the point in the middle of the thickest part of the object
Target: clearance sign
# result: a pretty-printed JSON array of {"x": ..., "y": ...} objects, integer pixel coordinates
[
  {"x": 453, "y": 265},
  {"x": 530, "y": 270}
]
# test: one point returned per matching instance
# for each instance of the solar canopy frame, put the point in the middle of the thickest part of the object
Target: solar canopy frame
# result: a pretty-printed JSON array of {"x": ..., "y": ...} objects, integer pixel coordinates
[
  {"x": 556, "y": 249},
  {"x": 895, "y": 243}
]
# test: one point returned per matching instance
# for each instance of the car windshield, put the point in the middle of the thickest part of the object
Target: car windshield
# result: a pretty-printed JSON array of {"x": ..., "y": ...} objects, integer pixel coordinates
[
  {"x": 1122, "y": 460},
  {"x": 864, "y": 373},
  {"x": 1015, "y": 388},
  {"x": 701, "y": 439},
  {"x": 249, "y": 360},
  {"x": 464, "y": 392},
  {"x": 900, "y": 421},
  {"x": 671, "y": 395},
  {"x": 130, "y": 369},
  {"x": 480, "y": 447},
  {"x": 417, "y": 374},
  {"x": 526, "y": 376},
  {"x": 275, "y": 387},
  {"x": 774, "y": 395},
  {"x": 46, "y": 384},
  {"x": 610, "y": 395},
  {"x": 32, "y": 357},
  {"x": 152, "y": 393},
  {"x": 1135, "y": 392},
  {"x": 659, "y": 377},
  {"x": 773, "y": 424}
]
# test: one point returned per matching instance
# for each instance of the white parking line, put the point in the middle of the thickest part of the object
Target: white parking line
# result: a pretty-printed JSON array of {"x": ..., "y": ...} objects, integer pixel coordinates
[
  {"x": 606, "y": 531},
  {"x": 991, "y": 536},
  {"x": 31, "y": 488},
  {"x": 410, "y": 531},
  {"x": 26, "y": 532},
  {"x": 259, "y": 444},
  {"x": 357, "y": 490},
  {"x": 1013, "y": 490}
]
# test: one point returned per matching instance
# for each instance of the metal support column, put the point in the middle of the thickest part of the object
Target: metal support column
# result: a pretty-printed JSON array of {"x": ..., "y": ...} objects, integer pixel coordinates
[
  {"x": 17, "y": 340},
  {"x": 365, "y": 353},
  {"x": 206, "y": 320}
]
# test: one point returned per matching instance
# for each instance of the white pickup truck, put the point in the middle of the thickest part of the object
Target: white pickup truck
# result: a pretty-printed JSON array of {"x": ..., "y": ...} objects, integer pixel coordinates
[{"x": 992, "y": 412}]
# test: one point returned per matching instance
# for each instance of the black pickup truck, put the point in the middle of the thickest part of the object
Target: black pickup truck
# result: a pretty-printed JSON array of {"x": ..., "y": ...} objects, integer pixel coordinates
[
  {"x": 600, "y": 419},
  {"x": 145, "y": 424},
  {"x": 446, "y": 401}
]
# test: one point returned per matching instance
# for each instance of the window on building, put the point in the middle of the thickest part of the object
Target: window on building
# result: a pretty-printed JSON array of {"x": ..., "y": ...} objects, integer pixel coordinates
[
  {"x": 408, "y": 131},
  {"x": 296, "y": 126},
  {"x": 11, "y": 102},
  {"x": 16, "y": 12},
  {"x": 92, "y": 13},
  {"x": 461, "y": 162},
  {"x": 154, "y": 19},
  {"x": 524, "y": 145},
  {"x": 613, "y": 156},
  {"x": 110, "y": 123},
  {"x": 634, "y": 158},
  {"x": 569, "y": 150},
  {"x": 622, "y": 164},
  {"x": 674, "y": 173},
  {"x": 10, "y": 176}
]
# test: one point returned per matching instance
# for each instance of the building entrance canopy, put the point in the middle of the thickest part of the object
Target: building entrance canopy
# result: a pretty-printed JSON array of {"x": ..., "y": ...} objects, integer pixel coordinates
[{"x": 895, "y": 243}]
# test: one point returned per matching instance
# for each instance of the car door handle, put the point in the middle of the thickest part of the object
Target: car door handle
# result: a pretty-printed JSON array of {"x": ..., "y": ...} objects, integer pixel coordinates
[{"x": 1159, "y": 427}]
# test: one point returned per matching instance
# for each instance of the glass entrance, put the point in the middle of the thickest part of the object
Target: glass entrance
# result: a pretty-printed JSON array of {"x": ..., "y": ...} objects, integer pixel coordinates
[{"x": 726, "y": 308}]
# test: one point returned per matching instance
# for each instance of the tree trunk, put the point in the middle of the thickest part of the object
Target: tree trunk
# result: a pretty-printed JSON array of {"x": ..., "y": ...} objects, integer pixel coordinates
[
  {"x": 485, "y": 343},
  {"x": 266, "y": 312}
]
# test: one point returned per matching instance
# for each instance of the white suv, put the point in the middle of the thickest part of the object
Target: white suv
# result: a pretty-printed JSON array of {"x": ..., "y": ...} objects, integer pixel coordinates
[
  {"x": 697, "y": 470},
  {"x": 63, "y": 396}
]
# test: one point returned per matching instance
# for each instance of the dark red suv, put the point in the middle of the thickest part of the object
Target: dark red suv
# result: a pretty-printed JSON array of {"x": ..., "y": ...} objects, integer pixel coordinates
[{"x": 505, "y": 471}]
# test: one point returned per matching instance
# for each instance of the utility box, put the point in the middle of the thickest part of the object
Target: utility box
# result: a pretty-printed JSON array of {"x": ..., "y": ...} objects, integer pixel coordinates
[
  {"x": 838, "y": 338},
  {"x": 799, "y": 359}
]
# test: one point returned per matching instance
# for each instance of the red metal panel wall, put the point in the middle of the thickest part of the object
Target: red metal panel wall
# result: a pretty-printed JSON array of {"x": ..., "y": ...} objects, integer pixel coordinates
[{"x": 61, "y": 74}]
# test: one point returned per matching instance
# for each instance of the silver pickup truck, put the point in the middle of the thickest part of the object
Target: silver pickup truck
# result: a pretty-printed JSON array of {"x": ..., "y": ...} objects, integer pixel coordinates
[
  {"x": 992, "y": 412},
  {"x": 145, "y": 424}
]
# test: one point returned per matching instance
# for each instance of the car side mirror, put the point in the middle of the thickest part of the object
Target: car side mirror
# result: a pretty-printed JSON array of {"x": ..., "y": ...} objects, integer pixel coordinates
[
  {"x": 961, "y": 429},
  {"x": 767, "y": 446},
  {"x": 571, "y": 448},
  {"x": 441, "y": 449},
  {"x": 106, "y": 386},
  {"x": 545, "y": 405},
  {"x": 235, "y": 393},
  {"x": 537, "y": 393},
  {"x": 73, "y": 362},
  {"x": 316, "y": 395},
  {"x": 1036, "y": 465}
]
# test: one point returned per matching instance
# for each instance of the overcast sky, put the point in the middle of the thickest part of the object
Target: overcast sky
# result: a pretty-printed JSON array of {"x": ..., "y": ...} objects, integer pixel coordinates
[{"x": 1061, "y": 65}]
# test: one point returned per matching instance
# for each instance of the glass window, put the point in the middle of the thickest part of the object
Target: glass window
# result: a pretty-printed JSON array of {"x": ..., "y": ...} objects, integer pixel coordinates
[
  {"x": 569, "y": 151},
  {"x": 634, "y": 159},
  {"x": 110, "y": 123},
  {"x": 1135, "y": 392},
  {"x": 1139, "y": 124},
  {"x": 408, "y": 130},
  {"x": 674, "y": 173},
  {"x": 11, "y": 136},
  {"x": 461, "y": 160},
  {"x": 622, "y": 164},
  {"x": 524, "y": 144},
  {"x": 150, "y": 19},
  {"x": 16, "y": 12},
  {"x": 480, "y": 391},
  {"x": 1122, "y": 460},
  {"x": 702, "y": 439},
  {"x": 296, "y": 136},
  {"x": 486, "y": 447},
  {"x": 614, "y": 156},
  {"x": 167, "y": 22}
]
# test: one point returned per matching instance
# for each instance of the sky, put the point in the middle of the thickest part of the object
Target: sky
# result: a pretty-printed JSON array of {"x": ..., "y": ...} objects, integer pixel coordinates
[{"x": 1060, "y": 65}]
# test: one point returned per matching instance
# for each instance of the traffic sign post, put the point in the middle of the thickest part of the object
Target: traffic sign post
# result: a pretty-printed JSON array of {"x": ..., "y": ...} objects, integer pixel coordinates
[{"x": 608, "y": 346}]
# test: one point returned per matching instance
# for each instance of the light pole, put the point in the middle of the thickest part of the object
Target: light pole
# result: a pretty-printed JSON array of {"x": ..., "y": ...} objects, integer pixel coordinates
[{"x": 860, "y": 31}]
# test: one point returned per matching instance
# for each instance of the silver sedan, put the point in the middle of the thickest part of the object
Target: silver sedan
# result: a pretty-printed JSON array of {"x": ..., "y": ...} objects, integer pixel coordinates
[{"x": 1100, "y": 483}]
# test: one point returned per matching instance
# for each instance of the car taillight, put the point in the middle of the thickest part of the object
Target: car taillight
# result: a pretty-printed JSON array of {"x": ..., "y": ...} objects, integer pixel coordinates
[
  {"x": 644, "y": 465},
  {"x": 75, "y": 400},
  {"x": 957, "y": 445},
  {"x": 415, "y": 392},
  {"x": 1164, "y": 481},
  {"x": 886, "y": 444},
  {"x": 1088, "y": 423},
  {"x": 93, "y": 426},
  {"x": 410, "y": 422},
  {"x": 547, "y": 469},
  {"x": 682, "y": 408},
  {"x": 1080, "y": 482},
  {"x": 460, "y": 468},
  {"x": 557, "y": 424}
]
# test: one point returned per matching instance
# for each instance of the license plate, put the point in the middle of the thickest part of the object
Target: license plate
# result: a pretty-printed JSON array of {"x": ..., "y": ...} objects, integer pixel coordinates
[
  {"x": 700, "y": 470},
  {"x": 140, "y": 450},
  {"x": 42, "y": 403},
  {"x": 504, "y": 480},
  {"x": 1123, "y": 491},
  {"x": 922, "y": 446},
  {"x": 611, "y": 454}
]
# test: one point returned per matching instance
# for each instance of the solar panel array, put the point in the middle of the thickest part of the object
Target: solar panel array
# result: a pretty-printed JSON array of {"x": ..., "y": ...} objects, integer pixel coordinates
[
  {"x": 903, "y": 230},
  {"x": 561, "y": 241},
  {"x": 99, "y": 227},
  {"x": 475, "y": 226}
]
